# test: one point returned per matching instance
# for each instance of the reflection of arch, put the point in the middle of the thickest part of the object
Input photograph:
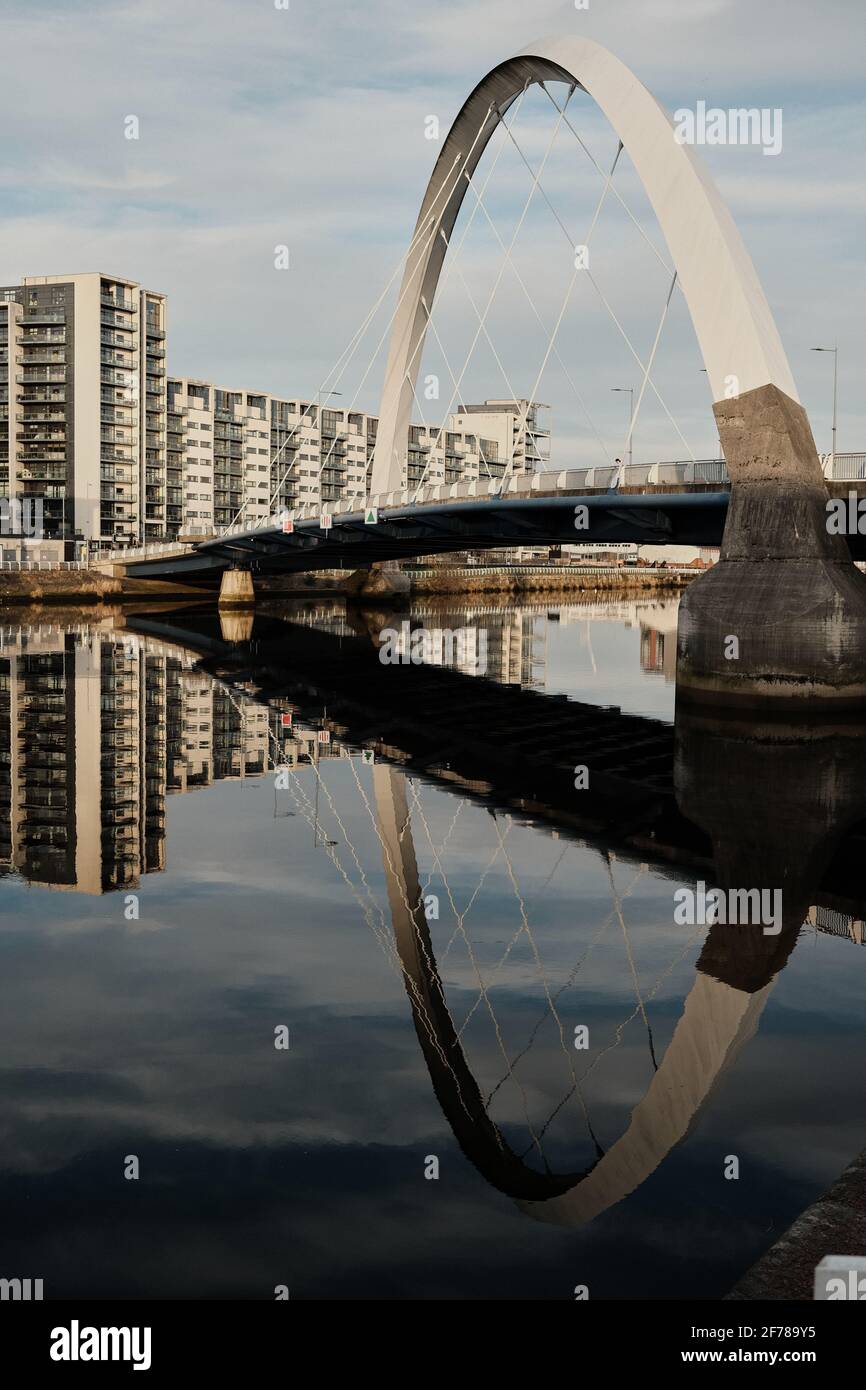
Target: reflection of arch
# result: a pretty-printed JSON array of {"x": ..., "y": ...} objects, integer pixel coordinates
[
  {"x": 717, "y": 1021},
  {"x": 730, "y": 313}
]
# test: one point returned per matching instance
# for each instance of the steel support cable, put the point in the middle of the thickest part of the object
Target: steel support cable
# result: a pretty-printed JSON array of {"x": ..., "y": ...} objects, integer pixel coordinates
[
  {"x": 658, "y": 255},
  {"x": 348, "y": 352},
  {"x": 591, "y": 278},
  {"x": 441, "y": 346},
  {"x": 420, "y": 262},
  {"x": 346, "y": 355},
  {"x": 577, "y": 269},
  {"x": 634, "y": 414},
  {"x": 540, "y": 320},
  {"x": 448, "y": 271},
  {"x": 502, "y": 267}
]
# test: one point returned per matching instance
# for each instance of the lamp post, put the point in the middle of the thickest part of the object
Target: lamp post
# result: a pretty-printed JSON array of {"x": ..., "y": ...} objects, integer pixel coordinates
[
  {"x": 835, "y": 352},
  {"x": 629, "y": 390}
]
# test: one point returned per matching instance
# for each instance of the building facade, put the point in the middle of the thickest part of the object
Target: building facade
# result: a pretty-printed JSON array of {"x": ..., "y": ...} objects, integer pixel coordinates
[
  {"x": 236, "y": 457},
  {"x": 115, "y": 453},
  {"x": 86, "y": 406}
]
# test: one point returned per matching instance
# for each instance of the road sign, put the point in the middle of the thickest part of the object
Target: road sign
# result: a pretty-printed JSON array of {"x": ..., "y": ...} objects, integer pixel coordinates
[
  {"x": 324, "y": 735},
  {"x": 288, "y": 525},
  {"x": 371, "y": 516},
  {"x": 286, "y": 719},
  {"x": 368, "y": 755},
  {"x": 326, "y": 521}
]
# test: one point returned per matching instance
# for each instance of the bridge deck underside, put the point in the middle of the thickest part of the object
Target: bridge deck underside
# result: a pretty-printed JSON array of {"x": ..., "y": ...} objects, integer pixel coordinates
[{"x": 402, "y": 533}]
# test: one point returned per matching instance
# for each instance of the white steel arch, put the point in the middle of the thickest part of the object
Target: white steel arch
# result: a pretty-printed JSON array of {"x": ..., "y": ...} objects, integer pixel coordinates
[{"x": 732, "y": 320}]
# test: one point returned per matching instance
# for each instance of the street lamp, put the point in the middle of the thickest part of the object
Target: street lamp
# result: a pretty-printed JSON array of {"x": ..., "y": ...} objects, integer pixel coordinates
[
  {"x": 629, "y": 390},
  {"x": 835, "y": 352}
]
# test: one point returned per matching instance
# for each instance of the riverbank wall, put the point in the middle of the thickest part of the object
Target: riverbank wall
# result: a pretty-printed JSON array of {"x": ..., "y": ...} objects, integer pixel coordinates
[{"x": 83, "y": 586}]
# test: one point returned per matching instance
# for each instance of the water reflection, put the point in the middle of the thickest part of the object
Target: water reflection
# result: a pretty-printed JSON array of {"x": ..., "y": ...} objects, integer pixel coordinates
[{"x": 101, "y": 726}]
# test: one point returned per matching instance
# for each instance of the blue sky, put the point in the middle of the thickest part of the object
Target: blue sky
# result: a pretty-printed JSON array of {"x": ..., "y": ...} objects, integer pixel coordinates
[{"x": 305, "y": 127}]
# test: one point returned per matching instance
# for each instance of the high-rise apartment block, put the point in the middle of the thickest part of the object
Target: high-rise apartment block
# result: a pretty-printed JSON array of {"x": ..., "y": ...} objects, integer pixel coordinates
[
  {"x": 86, "y": 387},
  {"x": 116, "y": 453}
]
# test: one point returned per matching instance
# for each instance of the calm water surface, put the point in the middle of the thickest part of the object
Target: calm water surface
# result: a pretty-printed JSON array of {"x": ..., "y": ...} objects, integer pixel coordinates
[{"x": 169, "y": 903}]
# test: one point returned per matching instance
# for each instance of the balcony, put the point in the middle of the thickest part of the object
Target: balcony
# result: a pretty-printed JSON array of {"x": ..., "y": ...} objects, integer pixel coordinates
[
  {"x": 36, "y": 315},
  {"x": 117, "y": 301},
  {"x": 41, "y": 398},
  {"x": 113, "y": 320},
  {"x": 42, "y": 335},
  {"x": 41, "y": 376}
]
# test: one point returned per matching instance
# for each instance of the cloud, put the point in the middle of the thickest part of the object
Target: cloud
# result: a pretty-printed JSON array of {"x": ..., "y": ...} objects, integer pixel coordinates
[{"x": 306, "y": 127}]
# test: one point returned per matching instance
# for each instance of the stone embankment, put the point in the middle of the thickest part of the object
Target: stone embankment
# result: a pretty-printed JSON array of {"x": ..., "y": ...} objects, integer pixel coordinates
[
  {"x": 93, "y": 586},
  {"x": 515, "y": 581},
  {"x": 81, "y": 586}
]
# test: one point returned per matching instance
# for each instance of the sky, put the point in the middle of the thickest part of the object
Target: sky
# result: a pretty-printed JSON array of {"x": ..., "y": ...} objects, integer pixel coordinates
[{"x": 261, "y": 127}]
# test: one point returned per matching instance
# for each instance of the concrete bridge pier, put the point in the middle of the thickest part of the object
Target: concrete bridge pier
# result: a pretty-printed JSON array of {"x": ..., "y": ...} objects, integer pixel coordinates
[
  {"x": 782, "y": 616},
  {"x": 236, "y": 589}
]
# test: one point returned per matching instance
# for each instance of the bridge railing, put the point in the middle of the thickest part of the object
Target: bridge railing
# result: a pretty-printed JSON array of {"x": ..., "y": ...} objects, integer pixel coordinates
[
  {"x": 844, "y": 468},
  {"x": 850, "y": 467},
  {"x": 27, "y": 565}
]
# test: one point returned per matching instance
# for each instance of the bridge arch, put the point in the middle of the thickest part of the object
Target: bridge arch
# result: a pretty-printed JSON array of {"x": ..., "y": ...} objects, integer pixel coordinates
[
  {"x": 717, "y": 1022},
  {"x": 733, "y": 323}
]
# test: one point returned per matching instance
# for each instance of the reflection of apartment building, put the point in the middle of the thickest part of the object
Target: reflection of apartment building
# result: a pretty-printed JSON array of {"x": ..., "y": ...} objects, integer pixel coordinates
[
  {"x": 89, "y": 405},
  {"x": 95, "y": 733},
  {"x": 506, "y": 646},
  {"x": 658, "y": 651},
  {"x": 82, "y": 761},
  {"x": 97, "y": 730}
]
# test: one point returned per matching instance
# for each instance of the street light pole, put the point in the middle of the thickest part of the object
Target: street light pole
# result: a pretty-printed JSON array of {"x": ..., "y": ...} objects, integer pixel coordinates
[
  {"x": 835, "y": 352},
  {"x": 630, "y": 391}
]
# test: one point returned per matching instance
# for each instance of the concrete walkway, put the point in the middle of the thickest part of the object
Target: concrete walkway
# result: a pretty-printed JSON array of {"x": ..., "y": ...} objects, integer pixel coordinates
[{"x": 834, "y": 1225}]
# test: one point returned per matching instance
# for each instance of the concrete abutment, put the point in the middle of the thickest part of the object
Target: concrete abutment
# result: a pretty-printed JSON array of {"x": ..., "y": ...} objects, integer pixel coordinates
[{"x": 785, "y": 589}]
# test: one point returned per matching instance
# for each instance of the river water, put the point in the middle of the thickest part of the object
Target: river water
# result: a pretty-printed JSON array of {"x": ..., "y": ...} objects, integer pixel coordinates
[{"x": 233, "y": 1060}]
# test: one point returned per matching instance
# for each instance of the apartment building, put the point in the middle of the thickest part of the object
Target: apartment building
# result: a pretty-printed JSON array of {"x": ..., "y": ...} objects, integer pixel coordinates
[
  {"x": 239, "y": 456},
  {"x": 85, "y": 380},
  {"x": 522, "y": 444},
  {"x": 116, "y": 453}
]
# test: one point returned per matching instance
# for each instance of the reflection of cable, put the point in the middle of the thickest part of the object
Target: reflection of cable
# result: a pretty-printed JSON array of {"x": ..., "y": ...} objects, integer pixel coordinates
[
  {"x": 500, "y": 1041},
  {"x": 618, "y": 908}
]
